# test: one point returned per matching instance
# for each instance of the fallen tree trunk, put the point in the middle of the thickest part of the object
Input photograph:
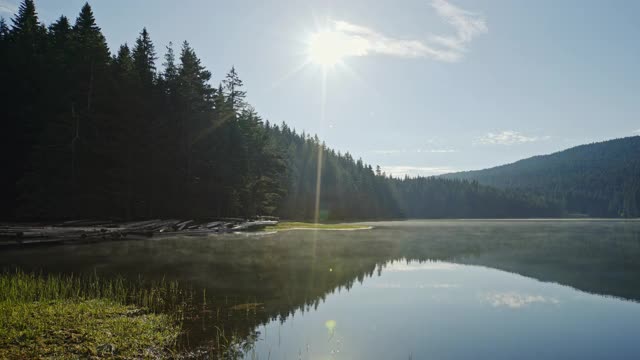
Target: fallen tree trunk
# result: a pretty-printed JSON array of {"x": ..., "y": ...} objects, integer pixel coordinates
[{"x": 96, "y": 230}]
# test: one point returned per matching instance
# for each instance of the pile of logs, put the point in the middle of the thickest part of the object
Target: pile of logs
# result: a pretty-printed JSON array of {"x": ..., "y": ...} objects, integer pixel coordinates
[{"x": 91, "y": 230}]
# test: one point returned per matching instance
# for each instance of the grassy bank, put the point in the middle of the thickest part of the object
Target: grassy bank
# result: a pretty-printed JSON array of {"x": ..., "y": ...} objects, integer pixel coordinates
[
  {"x": 286, "y": 225},
  {"x": 67, "y": 317}
]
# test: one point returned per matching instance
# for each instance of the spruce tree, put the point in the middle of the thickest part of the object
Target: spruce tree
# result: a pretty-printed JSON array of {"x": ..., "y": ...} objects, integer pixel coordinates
[
  {"x": 4, "y": 29},
  {"x": 91, "y": 110},
  {"x": 125, "y": 147},
  {"x": 144, "y": 57},
  {"x": 60, "y": 34},
  {"x": 90, "y": 43},
  {"x": 170, "y": 74},
  {"x": 26, "y": 21},
  {"x": 47, "y": 180},
  {"x": 233, "y": 88},
  {"x": 4, "y": 50},
  {"x": 147, "y": 134},
  {"x": 24, "y": 78}
]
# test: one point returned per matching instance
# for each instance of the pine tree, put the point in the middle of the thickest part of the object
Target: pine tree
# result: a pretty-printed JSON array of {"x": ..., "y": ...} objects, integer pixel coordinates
[
  {"x": 125, "y": 146},
  {"x": 170, "y": 74},
  {"x": 26, "y": 21},
  {"x": 24, "y": 78},
  {"x": 47, "y": 180},
  {"x": 144, "y": 57},
  {"x": 123, "y": 61},
  {"x": 232, "y": 87},
  {"x": 4, "y": 49},
  {"x": 91, "y": 109},
  {"x": 194, "y": 80},
  {"x": 171, "y": 150},
  {"x": 148, "y": 129},
  {"x": 60, "y": 34},
  {"x": 4, "y": 29},
  {"x": 90, "y": 43},
  {"x": 90, "y": 56}
]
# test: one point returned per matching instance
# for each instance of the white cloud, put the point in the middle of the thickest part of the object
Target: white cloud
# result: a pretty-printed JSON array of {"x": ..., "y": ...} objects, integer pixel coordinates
[
  {"x": 508, "y": 137},
  {"x": 414, "y": 171},
  {"x": 467, "y": 24},
  {"x": 8, "y": 7},
  {"x": 637, "y": 132},
  {"x": 515, "y": 301},
  {"x": 437, "y": 151},
  {"x": 401, "y": 266},
  {"x": 388, "y": 152},
  {"x": 359, "y": 40},
  {"x": 419, "y": 151},
  {"x": 412, "y": 286},
  {"x": 364, "y": 41}
]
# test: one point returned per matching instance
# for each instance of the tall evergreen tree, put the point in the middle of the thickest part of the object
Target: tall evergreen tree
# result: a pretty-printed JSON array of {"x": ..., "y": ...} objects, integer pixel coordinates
[
  {"x": 47, "y": 179},
  {"x": 23, "y": 90},
  {"x": 125, "y": 147},
  {"x": 4, "y": 50},
  {"x": 144, "y": 57},
  {"x": 91, "y": 46},
  {"x": 170, "y": 74},
  {"x": 26, "y": 21},
  {"x": 4, "y": 29},
  {"x": 233, "y": 89},
  {"x": 90, "y": 109},
  {"x": 171, "y": 154},
  {"x": 147, "y": 129}
]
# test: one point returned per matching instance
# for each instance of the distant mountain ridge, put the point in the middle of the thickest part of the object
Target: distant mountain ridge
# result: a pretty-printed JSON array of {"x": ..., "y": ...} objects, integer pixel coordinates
[{"x": 599, "y": 179}]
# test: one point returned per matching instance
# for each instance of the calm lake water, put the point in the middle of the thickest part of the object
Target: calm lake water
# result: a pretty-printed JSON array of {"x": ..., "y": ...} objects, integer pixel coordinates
[{"x": 404, "y": 290}]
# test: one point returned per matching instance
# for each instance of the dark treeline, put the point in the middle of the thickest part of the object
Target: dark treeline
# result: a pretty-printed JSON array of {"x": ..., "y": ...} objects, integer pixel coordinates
[
  {"x": 600, "y": 179},
  {"x": 87, "y": 133},
  {"x": 351, "y": 189}
]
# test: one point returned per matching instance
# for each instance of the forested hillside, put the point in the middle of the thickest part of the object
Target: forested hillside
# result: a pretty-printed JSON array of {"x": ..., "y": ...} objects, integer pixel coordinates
[
  {"x": 130, "y": 135},
  {"x": 600, "y": 179},
  {"x": 351, "y": 189}
]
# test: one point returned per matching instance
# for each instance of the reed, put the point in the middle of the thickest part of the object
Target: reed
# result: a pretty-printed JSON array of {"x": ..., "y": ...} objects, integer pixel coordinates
[
  {"x": 154, "y": 296},
  {"x": 71, "y": 316}
]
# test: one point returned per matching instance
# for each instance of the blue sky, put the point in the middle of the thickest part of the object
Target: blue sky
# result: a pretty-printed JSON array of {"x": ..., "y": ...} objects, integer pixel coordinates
[{"x": 423, "y": 87}]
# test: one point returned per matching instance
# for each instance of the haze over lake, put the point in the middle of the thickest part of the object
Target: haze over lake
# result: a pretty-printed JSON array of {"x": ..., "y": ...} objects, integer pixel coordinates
[{"x": 454, "y": 289}]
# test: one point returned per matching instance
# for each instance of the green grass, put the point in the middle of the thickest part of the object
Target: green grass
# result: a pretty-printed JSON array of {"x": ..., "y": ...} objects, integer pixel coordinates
[
  {"x": 303, "y": 225},
  {"x": 68, "y": 329},
  {"x": 67, "y": 317}
]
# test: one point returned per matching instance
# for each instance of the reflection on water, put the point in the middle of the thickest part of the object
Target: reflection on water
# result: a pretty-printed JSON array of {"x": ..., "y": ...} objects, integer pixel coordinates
[
  {"x": 416, "y": 289},
  {"x": 481, "y": 313}
]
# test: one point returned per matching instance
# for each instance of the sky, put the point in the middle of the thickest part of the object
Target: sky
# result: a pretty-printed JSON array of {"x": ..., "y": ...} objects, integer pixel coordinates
[{"x": 419, "y": 87}]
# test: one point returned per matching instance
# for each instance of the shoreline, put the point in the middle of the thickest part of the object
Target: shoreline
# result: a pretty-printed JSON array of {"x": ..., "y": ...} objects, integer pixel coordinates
[
  {"x": 299, "y": 225},
  {"x": 321, "y": 229}
]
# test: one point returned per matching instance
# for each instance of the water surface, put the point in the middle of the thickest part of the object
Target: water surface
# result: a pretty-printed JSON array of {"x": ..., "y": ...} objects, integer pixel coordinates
[{"x": 404, "y": 290}]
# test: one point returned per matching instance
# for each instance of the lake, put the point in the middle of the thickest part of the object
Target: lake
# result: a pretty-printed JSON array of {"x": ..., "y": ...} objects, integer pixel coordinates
[{"x": 465, "y": 289}]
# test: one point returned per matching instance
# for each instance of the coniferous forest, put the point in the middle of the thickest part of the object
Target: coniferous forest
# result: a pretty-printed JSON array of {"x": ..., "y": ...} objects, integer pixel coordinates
[
  {"x": 142, "y": 132},
  {"x": 599, "y": 180}
]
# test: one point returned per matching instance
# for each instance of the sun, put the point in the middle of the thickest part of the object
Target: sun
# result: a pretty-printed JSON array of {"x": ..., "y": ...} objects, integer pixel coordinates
[{"x": 328, "y": 48}]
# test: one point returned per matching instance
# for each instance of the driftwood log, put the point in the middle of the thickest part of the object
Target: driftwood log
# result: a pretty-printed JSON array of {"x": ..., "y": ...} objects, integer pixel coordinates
[{"x": 14, "y": 234}]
